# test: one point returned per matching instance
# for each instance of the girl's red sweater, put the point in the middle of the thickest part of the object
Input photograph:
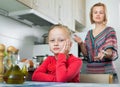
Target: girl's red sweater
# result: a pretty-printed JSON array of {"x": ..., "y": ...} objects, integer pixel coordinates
[{"x": 60, "y": 70}]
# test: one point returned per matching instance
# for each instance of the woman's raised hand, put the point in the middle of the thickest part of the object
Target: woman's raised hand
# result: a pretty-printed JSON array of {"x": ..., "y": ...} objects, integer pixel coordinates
[{"x": 77, "y": 39}]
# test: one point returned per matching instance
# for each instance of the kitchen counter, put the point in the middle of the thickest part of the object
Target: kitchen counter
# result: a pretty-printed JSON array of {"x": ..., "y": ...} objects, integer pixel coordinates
[{"x": 56, "y": 84}]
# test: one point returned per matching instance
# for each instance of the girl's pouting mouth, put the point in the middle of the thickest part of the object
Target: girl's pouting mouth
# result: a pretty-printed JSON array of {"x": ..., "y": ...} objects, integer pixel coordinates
[{"x": 56, "y": 49}]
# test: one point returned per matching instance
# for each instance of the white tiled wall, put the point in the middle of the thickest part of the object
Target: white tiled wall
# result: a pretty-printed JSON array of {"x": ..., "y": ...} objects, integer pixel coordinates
[{"x": 19, "y": 35}]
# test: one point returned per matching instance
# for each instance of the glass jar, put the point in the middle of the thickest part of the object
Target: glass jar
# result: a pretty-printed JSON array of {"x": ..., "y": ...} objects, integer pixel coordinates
[{"x": 14, "y": 75}]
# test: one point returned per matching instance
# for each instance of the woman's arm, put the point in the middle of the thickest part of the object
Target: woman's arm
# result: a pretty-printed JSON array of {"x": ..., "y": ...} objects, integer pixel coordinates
[
  {"x": 83, "y": 48},
  {"x": 107, "y": 54},
  {"x": 81, "y": 44},
  {"x": 109, "y": 51}
]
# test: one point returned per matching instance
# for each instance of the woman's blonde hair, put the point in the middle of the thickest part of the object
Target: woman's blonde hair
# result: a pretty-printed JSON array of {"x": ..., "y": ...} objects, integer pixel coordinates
[{"x": 105, "y": 12}]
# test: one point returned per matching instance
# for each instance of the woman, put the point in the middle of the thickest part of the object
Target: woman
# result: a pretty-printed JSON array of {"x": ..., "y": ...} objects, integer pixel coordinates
[{"x": 100, "y": 46}]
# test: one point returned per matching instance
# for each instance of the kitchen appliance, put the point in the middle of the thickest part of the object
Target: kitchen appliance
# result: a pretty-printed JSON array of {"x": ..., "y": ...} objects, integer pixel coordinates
[
  {"x": 25, "y": 14},
  {"x": 45, "y": 38},
  {"x": 43, "y": 50},
  {"x": 31, "y": 17}
]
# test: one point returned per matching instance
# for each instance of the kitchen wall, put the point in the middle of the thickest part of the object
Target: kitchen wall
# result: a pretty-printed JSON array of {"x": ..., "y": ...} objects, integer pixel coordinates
[
  {"x": 113, "y": 10},
  {"x": 20, "y": 35}
]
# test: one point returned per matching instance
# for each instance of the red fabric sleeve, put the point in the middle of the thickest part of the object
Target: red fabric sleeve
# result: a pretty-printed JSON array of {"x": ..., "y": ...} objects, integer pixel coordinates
[
  {"x": 67, "y": 73},
  {"x": 40, "y": 73}
]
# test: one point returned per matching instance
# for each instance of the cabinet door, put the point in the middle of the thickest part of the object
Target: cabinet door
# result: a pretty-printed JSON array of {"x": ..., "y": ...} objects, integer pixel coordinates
[
  {"x": 82, "y": 11},
  {"x": 79, "y": 11},
  {"x": 66, "y": 13},
  {"x": 29, "y": 3},
  {"x": 48, "y": 8}
]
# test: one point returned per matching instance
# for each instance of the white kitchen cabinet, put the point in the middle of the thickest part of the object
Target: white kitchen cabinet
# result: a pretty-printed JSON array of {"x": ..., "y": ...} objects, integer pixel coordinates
[
  {"x": 66, "y": 13},
  {"x": 48, "y": 8},
  {"x": 60, "y": 11},
  {"x": 79, "y": 11},
  {"x": 29, "y": 3}
]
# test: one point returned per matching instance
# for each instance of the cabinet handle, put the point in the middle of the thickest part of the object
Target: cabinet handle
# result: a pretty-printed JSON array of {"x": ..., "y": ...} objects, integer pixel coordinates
[{"x": 59, "y": 14}]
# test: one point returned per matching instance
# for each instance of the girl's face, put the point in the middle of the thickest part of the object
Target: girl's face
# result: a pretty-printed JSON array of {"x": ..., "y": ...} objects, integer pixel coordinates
[
  {"x": 57, "y": 39},
  {"x": 98, "y": 14}
]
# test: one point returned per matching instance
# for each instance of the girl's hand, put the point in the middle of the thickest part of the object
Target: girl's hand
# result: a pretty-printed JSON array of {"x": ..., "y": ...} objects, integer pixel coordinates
[{"x": 66, "y": 47}]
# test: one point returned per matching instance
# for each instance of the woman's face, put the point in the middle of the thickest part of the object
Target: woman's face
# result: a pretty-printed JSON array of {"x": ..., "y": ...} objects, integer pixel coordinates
[
  {"x": 57, "y": 39},
  {"x": 98, "y": 14}
]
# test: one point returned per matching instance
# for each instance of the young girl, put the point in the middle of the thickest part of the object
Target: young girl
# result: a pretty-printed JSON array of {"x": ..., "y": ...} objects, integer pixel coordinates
[{"x": 62, "y": 67}]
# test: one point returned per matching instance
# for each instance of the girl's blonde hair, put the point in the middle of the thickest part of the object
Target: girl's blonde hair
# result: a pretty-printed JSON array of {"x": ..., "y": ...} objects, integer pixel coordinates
[
  {"x": 105, "y": 12},
  {"x": 67, "y": 30}
]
